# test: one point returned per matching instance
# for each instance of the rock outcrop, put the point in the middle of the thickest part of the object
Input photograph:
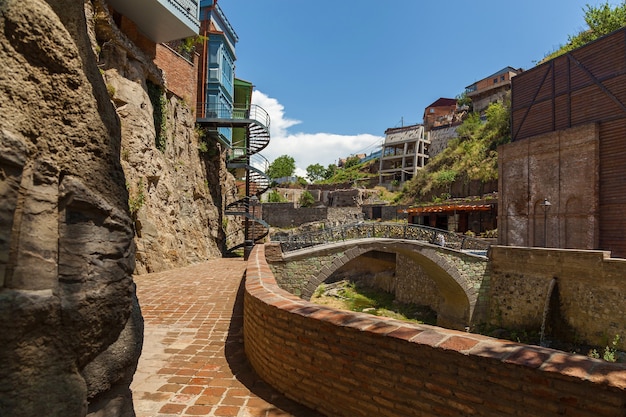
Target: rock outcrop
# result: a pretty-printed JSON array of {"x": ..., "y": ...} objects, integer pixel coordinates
[
  {"x": 66, "y": 236},
  {"x": 176, "y": 191}
]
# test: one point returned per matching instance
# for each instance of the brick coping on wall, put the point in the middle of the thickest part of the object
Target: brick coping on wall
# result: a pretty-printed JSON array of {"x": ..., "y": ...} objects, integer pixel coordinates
[{"x": 456, "y": 370}]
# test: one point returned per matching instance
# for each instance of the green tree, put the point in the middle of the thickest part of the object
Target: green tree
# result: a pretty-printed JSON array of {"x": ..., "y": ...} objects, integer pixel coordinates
[
  {"x": 498, "y": 128},
  {"x": 601, "y": 20},
  {"x": 283, "y": 166},
  {"x": 463, "y": 100},
  {"x": 330, "y": 171},
  {"x": 301, "y": 182},
  {"x": 351, "y": 161},
  {"x": 315, "y": 172}
]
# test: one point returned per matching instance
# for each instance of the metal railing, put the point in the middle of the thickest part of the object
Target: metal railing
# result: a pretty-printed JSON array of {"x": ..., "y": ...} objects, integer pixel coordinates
[
  {"x": 239, "y": 154},
  {"x": 224, "y": 111},
  {"x": 364, "y": 230},
  {"x": 187, "y": 7}
]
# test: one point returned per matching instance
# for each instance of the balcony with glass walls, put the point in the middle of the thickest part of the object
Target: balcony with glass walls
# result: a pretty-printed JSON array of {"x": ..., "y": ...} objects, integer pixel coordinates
[{"x": 161, "y": 20}]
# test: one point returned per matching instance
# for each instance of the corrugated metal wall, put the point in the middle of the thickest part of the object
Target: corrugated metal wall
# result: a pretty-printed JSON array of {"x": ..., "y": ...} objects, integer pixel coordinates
[{"x": 586, "y": 85}]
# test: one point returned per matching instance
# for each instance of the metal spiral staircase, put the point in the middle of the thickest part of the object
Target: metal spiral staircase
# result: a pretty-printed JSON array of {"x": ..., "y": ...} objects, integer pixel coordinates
[{"x": 247, "y": 164}]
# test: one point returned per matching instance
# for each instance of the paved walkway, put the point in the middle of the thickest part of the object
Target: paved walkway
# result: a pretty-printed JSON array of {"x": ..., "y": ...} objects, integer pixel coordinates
[{"x": 193, "y": 361}]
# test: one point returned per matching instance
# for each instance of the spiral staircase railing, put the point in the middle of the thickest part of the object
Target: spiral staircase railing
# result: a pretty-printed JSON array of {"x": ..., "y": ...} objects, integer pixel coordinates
[
  {"x": 257, "y": 123},
  {"x": 247, "y": 205}
]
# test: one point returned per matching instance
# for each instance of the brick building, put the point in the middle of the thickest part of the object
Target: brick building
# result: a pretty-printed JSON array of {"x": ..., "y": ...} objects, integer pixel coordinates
[
  {"x": 439, "y": 113},
  {"x": 562, "y": 177},
  {"x": 156, "y": 28},
  {"x": 491, "y": 89}
]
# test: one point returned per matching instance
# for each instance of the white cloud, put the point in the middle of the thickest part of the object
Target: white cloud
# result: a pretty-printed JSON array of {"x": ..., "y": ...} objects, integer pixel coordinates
[
  {"x": 278, "y": 122},
  {"x": 308, "y": 148}
]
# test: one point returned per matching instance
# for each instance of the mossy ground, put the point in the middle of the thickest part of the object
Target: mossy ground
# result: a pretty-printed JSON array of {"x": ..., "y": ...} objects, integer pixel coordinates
[{"x": 352, "y": 296}]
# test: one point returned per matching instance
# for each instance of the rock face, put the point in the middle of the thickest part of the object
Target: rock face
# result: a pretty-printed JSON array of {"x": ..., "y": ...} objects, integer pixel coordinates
[
  {"x": 176, "y": 191},
  {"x": 66, "y": 237}
]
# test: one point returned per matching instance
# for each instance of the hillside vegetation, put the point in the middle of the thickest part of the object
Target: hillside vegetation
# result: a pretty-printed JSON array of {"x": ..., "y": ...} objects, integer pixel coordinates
[
  {"x": 601, "y": 20},
  {"x": 358, "y": 174},
  {"x": 472, "y": 156}
]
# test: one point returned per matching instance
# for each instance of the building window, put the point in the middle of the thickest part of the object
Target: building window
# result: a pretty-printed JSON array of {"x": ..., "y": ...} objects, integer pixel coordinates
[{"x": 495, "y": 80}]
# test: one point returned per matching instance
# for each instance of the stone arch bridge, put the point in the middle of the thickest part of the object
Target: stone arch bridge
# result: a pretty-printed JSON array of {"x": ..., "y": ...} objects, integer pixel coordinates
[{"x": 453, "y": 282}]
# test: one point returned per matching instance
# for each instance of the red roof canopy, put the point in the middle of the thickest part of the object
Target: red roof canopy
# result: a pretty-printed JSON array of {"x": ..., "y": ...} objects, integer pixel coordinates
[{"x": 445, "y": 208}]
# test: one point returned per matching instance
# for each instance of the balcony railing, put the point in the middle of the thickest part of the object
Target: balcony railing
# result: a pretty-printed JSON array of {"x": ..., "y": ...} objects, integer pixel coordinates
[
  {"x": 187, "y": 7},
  {"x": 161, "y": 20},
  {"x": 225, "y": 112}
]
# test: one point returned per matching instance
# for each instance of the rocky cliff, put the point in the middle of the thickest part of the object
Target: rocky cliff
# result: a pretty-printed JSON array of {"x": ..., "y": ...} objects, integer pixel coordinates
[
  {"x": 66, "y": 236},
  {"x": 100, "y": 177},
  {"x": 175, "y": 190}
]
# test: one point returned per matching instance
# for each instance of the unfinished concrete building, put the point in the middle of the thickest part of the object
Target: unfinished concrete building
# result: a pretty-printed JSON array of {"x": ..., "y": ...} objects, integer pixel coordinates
[{"x": 404, "y": 151}]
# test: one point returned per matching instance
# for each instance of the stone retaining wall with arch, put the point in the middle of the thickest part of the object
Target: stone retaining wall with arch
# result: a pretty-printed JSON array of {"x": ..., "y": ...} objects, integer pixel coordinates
[
  {"x": 458, "y": 278},
  {"x": 353, "y": 364}
]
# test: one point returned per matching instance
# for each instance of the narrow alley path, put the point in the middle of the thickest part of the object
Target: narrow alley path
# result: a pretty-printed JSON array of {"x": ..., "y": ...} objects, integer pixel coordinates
[{"x": 193, "y": 361}]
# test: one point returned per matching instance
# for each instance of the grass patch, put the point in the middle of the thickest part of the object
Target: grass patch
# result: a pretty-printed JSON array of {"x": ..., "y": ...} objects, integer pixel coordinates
[{"x": 352, "y": 296}]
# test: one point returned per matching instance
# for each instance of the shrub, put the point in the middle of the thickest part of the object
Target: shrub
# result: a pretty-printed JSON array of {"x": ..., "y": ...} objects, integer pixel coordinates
[{"x": 306, "y": 199}]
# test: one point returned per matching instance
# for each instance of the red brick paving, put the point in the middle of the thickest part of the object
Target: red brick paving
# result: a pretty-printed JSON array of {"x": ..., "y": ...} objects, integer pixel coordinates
[{"x": 193, "y": 362}]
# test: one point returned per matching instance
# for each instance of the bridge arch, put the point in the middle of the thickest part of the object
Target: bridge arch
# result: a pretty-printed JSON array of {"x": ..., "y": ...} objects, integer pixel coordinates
[{"x": 457, "y": 284}]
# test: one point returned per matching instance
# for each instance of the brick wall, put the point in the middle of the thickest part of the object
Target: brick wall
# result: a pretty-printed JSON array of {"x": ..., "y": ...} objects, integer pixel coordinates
[
  {"x": 353, "y": 364},
  {"x": 561, "y": 166},
  {"x": 181, "y": 76}
]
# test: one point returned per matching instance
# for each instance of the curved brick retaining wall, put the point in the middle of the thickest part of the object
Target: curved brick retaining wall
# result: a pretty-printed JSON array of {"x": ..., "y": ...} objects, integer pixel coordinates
[{"x": 354, "y": 364}]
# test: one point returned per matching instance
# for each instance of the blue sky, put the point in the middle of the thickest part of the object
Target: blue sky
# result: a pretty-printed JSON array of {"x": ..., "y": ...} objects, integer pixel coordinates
[{"x": 335, "y": 75}]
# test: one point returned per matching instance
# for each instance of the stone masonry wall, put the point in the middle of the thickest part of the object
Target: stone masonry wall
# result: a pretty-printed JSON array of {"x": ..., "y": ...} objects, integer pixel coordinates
[
  {"x": 353, "y": 364},
  {"x": 295, "y": 275},
  {"x": 455, "y": 285},
  {"x": 414, "y": 285},
  {"x": 590, "y": 287},
  {"x": 509, "y": 292},
  {"x": 286, "y": 215}
]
